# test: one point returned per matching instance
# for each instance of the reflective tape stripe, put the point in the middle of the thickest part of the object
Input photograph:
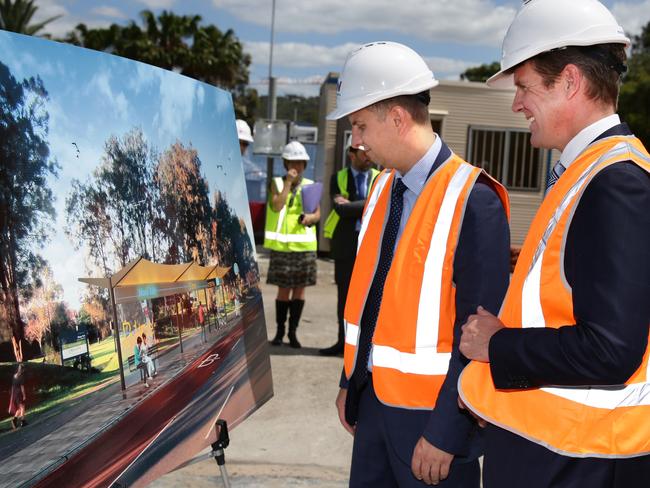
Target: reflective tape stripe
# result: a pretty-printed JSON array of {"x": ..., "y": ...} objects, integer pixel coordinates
[
  {"x": 351, "y": 333},
  {"x": 425, "y": 361},
  {"x": 278, "y": 236},
  {"x": 429, "y": 306},
  {"x": 606, "y": 397},
  {"x": 370, "y": 206}
]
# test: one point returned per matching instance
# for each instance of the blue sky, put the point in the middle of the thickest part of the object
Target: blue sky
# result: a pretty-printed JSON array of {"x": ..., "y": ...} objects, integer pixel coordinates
[
  {"x": 314, "y": 36},
  {"x": 94, "y": 96}
]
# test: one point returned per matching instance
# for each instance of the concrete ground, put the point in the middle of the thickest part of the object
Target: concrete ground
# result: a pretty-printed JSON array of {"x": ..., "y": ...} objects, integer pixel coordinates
[{"x": 294, "y": 440}]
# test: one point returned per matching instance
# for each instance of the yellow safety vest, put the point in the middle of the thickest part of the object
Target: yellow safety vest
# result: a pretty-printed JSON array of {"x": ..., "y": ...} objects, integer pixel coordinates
[
  {"x": 413, "y": 337},
  {"x": 342, "y": 180},
  {"x": 582, "y": 421},
  {"x": 283, "y": 232}
]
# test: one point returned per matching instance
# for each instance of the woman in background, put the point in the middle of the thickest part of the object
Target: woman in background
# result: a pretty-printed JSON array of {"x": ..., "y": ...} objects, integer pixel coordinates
[{"x": 291, "y": 237}]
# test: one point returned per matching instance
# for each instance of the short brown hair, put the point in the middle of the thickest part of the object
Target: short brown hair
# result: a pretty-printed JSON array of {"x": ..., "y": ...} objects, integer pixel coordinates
[
  {"x": 413, "y": 104},
  {"x": 602, "y": 66}
]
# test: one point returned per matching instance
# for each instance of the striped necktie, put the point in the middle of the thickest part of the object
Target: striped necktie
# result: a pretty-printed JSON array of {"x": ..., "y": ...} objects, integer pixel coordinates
[
  {"x": 554, "y": 175},
  {"x": 371, "y": 309}
]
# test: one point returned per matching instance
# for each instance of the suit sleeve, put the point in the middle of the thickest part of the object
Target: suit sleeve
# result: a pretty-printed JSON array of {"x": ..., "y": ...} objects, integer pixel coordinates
[
  {"x": 607, "y": 263},
  {"x": 481, "y": 274},
  {"x": 352, "y": 210}
]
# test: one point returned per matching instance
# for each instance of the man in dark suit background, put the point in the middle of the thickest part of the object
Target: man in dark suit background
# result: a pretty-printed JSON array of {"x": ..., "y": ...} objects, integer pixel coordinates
[
  {"x": 348, "y": 190},
  {"x": 562, "y": 374}
]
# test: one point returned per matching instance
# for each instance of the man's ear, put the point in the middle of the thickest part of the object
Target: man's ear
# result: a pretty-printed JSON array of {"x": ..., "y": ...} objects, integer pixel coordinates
[
  {"x": 572, "y": 80},
  {"x": 398, "y": 117}
]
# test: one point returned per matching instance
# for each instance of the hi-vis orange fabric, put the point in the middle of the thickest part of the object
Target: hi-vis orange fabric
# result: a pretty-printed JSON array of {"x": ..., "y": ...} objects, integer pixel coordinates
[
  {"x": 414, "y": 332},
  {"x": 576, "y": 421}
]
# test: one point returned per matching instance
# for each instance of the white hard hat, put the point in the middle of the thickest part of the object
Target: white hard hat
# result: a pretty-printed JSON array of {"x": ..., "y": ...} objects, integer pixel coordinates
[
  {"x": 377, "y": 71},
  {"x": 244, "y": 131},
  {"x": 294, "y": 151},
  {"x": 544, "y": 25}
]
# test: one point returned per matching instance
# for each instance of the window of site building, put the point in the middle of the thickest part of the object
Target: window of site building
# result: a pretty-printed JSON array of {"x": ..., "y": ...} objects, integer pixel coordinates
[{"x": 507, "y": 155}]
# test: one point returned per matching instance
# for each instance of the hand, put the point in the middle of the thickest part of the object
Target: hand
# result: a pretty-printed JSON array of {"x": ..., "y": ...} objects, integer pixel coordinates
[
  {"x": 292, "y": 175},
  {"x": 429, "y": 463},
  {"x": 307, "y": 219},
  {"x": 341, "y": 200},
  {"x": 481, "y": 423},
  {"x": 340, "y": 407},
  {"x": 477, "y": 332}
]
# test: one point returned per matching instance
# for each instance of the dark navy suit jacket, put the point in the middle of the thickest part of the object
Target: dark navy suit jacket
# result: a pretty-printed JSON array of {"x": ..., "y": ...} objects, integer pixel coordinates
[
  {"x": 607, "y": 263},
  {"x": 481, "y": 274}
]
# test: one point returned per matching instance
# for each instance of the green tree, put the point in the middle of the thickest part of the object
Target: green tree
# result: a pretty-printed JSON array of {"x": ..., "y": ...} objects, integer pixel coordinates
[
  {"x": 634, "y": 99},
  {"x": 480, "y": 73},
  {"x": 26, "y": 208},
  {"x": 117, "y": 211},
  {"x": 185, "y": 201},
  {"x": 179, "y": 43},
  {"x": 16, "y": 16},
  {"x": 295, "y": 107}
]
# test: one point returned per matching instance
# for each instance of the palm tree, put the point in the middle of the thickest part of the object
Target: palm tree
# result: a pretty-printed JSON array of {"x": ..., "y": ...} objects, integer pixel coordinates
[{"x": 16, "y": 16}]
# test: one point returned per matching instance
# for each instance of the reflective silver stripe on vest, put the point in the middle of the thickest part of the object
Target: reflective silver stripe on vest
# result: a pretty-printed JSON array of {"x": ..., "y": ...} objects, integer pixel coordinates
[
  {"x": 427, "y": 360},
  {"x": 532, "y": 315},
  {"x": 351, "y": 333},
  {"x": 370, "y": 205},
  {"x": 280, "y": 237}
]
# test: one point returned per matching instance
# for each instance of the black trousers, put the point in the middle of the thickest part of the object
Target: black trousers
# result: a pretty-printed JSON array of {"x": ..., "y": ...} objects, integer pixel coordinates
[
  {"x": 383, "y": 448},
  {"x": 511, "y": 460}
]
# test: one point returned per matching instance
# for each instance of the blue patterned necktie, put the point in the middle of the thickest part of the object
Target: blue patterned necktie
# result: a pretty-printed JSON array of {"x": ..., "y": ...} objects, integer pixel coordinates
[
  {"x": 554, "y": 175},
  {"x": 360, "y": 179},
  {"x": 373, "y": 302}
]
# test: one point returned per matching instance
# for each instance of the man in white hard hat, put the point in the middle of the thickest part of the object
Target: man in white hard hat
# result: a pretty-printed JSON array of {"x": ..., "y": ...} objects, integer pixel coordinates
[
  {"x": 433, "y": 245},
  {"x": 244, "y": 135},
  {"x": 562, "y": 374}
]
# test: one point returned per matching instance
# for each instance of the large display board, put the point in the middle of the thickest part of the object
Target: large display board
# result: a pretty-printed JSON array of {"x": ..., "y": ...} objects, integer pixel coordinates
[{"x": 128, "y": 178}]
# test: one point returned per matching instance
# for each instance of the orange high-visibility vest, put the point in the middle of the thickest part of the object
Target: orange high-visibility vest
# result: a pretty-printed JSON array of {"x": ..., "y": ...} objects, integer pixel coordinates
[
  {"x": 595, "y": 421},
  {"x": 414, "y": 333}
]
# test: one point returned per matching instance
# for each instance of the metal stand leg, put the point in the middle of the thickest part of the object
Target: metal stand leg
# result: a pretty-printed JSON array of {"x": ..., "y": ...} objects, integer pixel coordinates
[{"x": 218, "y": 449}]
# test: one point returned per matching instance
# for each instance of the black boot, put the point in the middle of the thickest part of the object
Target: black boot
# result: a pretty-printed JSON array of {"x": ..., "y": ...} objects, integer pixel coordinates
[
  {"x": 336, "y": 349},
  {"x": 294, "y": 318},
  {"x": 281, "y": 309}
]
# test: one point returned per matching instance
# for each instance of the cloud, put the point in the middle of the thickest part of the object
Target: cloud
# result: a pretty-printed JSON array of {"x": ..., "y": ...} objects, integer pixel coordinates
[
  {"x": 628, "y": 15},
  {"x": 66, "y": 23},
  {"x": 467, "y": 21},
  {"x": 448, "y": 68},
  {"x": 101, "y": 82},
  {"x": 154, "y": 4},
  {"x": 110, "y": 12},
  {"x": 299, "y": 55},
  {"x": 177, "y": 99}
]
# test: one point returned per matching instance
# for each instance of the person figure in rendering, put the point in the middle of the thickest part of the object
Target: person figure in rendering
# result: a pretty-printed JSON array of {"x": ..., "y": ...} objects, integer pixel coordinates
[
  {"x": 18, "y": 398},
  {"x": 291, "y": 236},
  {"x": 562, "y": 374},
  {"x": 140, "y": 358},
  {"x": 146, "y": 358},
  {"x": 348, "y": 190},
  {"x": 433, "y": 245}
]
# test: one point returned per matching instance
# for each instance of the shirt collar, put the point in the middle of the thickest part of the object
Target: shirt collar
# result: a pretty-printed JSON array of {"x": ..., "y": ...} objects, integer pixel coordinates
[
  {"x": 416, "y": 177},
  {"x": 585, "y": 137}
]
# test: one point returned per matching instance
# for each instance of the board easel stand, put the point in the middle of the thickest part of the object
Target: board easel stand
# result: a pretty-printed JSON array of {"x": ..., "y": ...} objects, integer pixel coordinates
[{"x": 221, "y": 427}]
